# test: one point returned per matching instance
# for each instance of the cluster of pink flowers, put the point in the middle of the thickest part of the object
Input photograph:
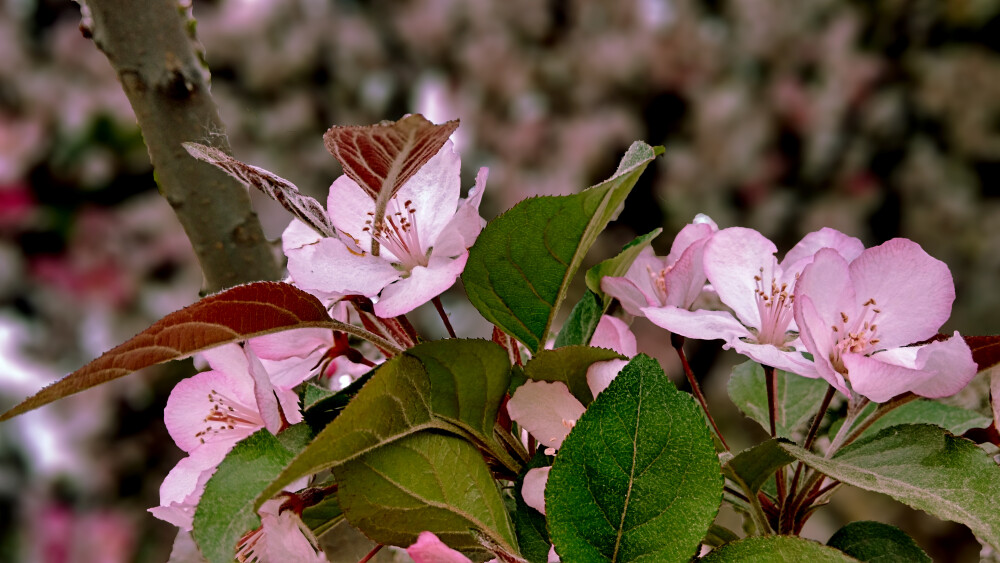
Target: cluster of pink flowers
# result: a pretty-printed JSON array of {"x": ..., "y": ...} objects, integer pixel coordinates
[
  {"x": 855, "y": 317},
  {"x": 424, "y": 241}
]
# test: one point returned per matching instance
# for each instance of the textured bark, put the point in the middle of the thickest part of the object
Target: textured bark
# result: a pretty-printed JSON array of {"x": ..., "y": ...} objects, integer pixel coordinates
[{"x": 147, "y": 45}]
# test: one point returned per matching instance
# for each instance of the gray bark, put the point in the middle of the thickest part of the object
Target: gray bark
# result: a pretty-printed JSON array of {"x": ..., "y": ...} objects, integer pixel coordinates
[{"x": 146, "y": 43}]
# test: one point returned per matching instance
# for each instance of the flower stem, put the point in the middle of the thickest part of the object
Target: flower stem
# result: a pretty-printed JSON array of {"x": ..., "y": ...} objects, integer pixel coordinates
[
  {"x": 371, "y": 554},
  {"x": 444, "y": 316},
  {"x": 677, "y": 341},
  {"x": 772, "y": 404}
]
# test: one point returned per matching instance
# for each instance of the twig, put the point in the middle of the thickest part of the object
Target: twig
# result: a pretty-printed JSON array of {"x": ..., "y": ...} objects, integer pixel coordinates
[
  {"x": 677, "y": 341},
  {"x": 145, "y": 42},
  {"x": 444, "y": 316},
  {"x": 371, "y": 554}
]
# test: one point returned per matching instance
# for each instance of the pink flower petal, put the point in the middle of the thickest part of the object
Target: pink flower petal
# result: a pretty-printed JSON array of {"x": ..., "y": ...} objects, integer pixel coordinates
[
  {"x": 423, "y": 284},
  {"x": 820, "y": 344},
  {"x": 938, "y": 369},
  {"x": 733, "y": 259},
  {"x": 533, "y": 488},
  {"x": 767, "y": 355},
  {"x": 701, "y": 324},
  {"x": 601, "y": 374},
  {"x": 434, "y": 191},
  {"x": 614, "y": 334},
  {"x": 545, "y": 409},
  {"x": 331, "y": 267},
  {"x": 803, "y": 252},
  {"x": 467, "y": 223},
  {"x": 348, "y": 206},
  {"x": 263, "y": 391},
  {"x": 429, "y": 549},
  {"x": 183, "y": 486},
  {"x": 686, "y": 278},
  {"x": 297, "y": 234},
  {"x": 913, "y": 291},
  {"x": 698, "y": 230},
  {"x": 191, "y": 401},
  {"x": 299, "y": 343},
  {"x": 631, "y": 296}
]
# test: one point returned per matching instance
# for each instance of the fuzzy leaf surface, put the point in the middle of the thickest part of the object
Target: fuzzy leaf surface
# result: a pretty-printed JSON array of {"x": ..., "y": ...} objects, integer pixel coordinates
[
  {"x": 522, "y": 262},
  {"x": 226, "y": 510},
  {"x": 448, "y": 385},
  {"x": 755, "y": 465},
  {"x": 925, "y": 467},
  {"x": 582, "y": 322},
  {"x": 638, "y": 478},
  {"x": 232, "y": 315},
  {"x": 875, "y": 542},
  {"x": 776, "y": 549},
  {"x": 426, "y": 481}
]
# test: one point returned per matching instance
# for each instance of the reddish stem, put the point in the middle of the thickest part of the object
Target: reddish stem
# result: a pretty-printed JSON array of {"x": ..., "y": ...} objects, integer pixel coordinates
[
  {"x": 444, "y": 317},
  {"x": 371, "y": 554},
  {"x": 677, "y": 341}
]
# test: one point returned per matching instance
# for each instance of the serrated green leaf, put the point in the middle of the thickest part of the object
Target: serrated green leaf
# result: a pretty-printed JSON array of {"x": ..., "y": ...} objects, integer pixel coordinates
[
  {"x": 314, "y": 394},
  {"x": 618, "y": 266},
  {"x": 569, "y": 364},
  {"x": 925, "y": 467},
  {"x": 776, "y": 549},
  {"x": 753, "y": 466},
  {"x": 529, "y": 524},
  {"x": 521, "y": 264},
  {"x": 226, "y": 510},
  {"x": 798, "y": 397},
  {"x": 582, "y": 322},
  {"x": 449, "y": 385},
  {"x": 426, "y": 481},
  {"x": 638, "y": 477},
  {"x": 875, "y": 542}
]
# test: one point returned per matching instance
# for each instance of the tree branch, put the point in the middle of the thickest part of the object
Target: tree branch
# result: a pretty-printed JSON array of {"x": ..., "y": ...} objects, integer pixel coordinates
[{"x": 146, "y": 43}]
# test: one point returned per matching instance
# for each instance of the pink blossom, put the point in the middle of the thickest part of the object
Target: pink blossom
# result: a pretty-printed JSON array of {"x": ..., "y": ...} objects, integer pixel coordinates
[
  {"x": 742, "y": 268},
  {"x": 675, "y": 280},
  {"x": 858, "y": 317},
  {"x": 549, "y": 411},
  {"x": 423, "y": 240},
  {"x": 207, "y": 414},
  {"x": 429, "y": 549},
  {"x": 281, "y": 537}
]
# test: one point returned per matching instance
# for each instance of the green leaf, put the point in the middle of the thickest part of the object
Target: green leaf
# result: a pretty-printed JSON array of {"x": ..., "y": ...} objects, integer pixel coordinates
[
  {"x": 314, "y": 394},
  {"x": 529, "y": 524},
  {"x": 618, "y": 266},
  {"x": 638, "y": 477},
  {"x": 569, "y": 364},
  {"x": 323, "y": 516},
  {"x": 226, "y": 510},
  {"x": 451, "y": 385},
  {"x": 426, "y": 481},
  {"x": 324, "y": 408},
  {"x": 798, "y": 397},
  {"x": 753, "y": 466},
  {"x": 953, "y": 419},
  {"x": 521, "y": 264},
  {"x": 582, "y": 322},
  {"x": 776, "y": 549},
  {"x": 925, "y": 467},
  {"x": 875, "y": 542}
]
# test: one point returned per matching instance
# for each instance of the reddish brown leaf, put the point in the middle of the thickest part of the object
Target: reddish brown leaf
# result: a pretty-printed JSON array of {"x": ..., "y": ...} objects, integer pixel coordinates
[
  {"x": 985, "y": 350},
  {"x": 381, "y": 158},
  {"x": 230, "y": 316},
  {"x": 305, "y": 208}
]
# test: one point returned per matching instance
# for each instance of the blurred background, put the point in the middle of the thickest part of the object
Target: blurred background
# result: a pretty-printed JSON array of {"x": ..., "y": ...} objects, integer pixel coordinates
[{"x": 878, "y": 118}]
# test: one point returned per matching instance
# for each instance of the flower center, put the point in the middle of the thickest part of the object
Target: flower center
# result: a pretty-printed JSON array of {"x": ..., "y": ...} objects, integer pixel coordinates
[
  {"x": 225, "y": 416},
  {"x": 659, "y": 281},
  {"x": 774, "y": 304},
  {"x": 398, "y": 234},
  {"x": 859, "y": 337},
  {"x": 247, "y": 548}
]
